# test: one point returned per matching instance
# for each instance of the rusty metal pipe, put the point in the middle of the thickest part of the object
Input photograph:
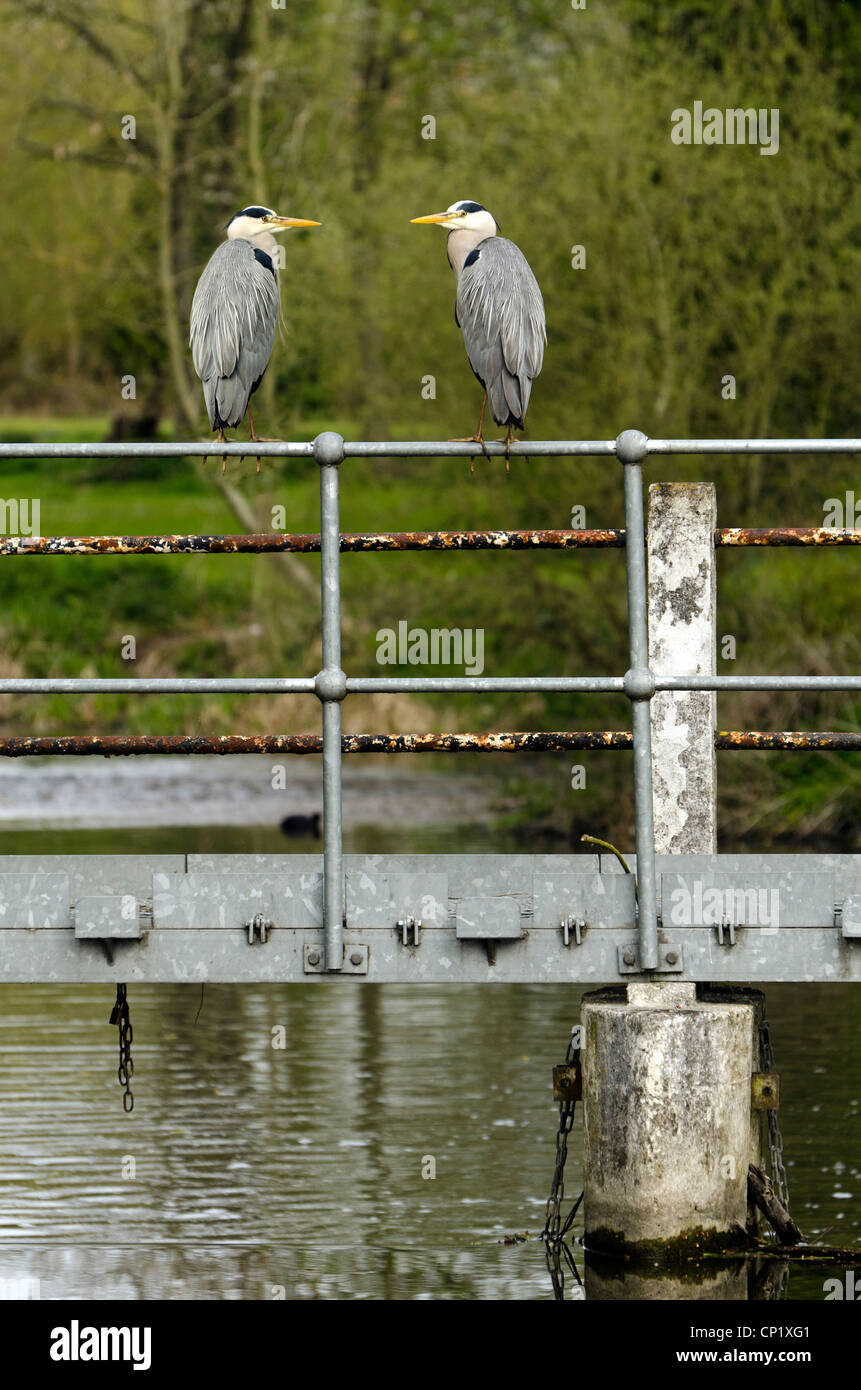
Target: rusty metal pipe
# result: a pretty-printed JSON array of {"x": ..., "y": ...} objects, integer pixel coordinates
[
  {"x": 785, "y": 535},
  {"x": 129, "y": 745},
  {"x": 274, "y": 542},
  {"x": 264, "y": 543}
]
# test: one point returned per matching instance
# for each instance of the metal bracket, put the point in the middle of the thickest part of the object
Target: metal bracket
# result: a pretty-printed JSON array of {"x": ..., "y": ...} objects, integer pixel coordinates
[
  {"x": 765, "y": 1090},
  {"x": 488, "y": 919},
  {"x": 259, "y": 927},
  {"x": 107, "y": 918},
  {"x": 671, "y": 960},
  {"x": 356, "y": 960},
  {"x": 729, "y": 928},
  {"x": 568, "y": 1081},
  {"x": 569, "y": 924},
  {"x": 850, "y": 916},
  {"x": 408, "y": 925}
]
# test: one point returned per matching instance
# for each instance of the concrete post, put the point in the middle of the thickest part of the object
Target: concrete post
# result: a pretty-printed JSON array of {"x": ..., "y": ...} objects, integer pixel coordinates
[
  {"x": 666, "y": 1095},
  {"x": 667, "y": 1065},
  {"x": 682, "y": 642}
]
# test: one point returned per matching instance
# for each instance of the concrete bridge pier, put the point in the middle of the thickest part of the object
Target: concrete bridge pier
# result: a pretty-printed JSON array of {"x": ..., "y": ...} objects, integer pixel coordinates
[
  {"x": 667, "y": 1116},
  {"x": 667, "y": 1065}
]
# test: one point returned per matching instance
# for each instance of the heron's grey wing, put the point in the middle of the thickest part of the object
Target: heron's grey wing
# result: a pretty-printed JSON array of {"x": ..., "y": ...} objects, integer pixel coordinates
[
  {"x": 501, "y": 314},
  {"x": 234, "y": 317}
]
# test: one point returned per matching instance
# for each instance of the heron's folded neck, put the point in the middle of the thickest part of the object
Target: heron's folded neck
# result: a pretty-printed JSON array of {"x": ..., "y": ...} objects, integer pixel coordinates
[
  {"x": 265, "y": 241},
  {"x": 459, "y": 245}
]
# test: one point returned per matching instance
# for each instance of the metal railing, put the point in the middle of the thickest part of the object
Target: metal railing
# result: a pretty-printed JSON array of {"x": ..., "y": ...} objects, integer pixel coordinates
[{"x": 331, "y": 684}]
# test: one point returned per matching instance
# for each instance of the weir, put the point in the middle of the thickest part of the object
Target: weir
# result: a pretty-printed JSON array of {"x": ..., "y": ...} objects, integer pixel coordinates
[{"x": 669, "y": 1056}]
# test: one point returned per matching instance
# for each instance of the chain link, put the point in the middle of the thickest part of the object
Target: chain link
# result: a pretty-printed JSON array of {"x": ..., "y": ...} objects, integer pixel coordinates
[
  {"x": 553, "y": 1235},
  {"x": 126, "y": 1068},
  {"x": 775, "y": 1138}
]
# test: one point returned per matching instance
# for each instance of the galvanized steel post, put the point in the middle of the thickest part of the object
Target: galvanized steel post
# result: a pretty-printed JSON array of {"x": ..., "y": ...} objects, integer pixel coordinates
[
  {"x": 631, "y": 448},
  {"x": 331, "y": 687}
]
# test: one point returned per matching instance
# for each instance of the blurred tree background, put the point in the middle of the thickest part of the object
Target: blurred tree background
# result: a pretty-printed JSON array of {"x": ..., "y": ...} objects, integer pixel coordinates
[{"x": 700, "y": 262}]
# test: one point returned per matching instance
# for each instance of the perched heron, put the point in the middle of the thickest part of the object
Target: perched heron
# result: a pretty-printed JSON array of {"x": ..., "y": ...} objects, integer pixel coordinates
[
  {"x": 234, "y": 316},
  {"x": 498, "y": 309}
]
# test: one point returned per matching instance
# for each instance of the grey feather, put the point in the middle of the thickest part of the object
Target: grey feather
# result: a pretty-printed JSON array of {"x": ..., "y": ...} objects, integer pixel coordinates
[
  {"x": 501, "y": 314},
  {"x": 234, "y": 318}
]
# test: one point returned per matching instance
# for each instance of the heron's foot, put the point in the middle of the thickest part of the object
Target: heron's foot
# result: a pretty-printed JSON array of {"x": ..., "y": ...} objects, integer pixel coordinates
[
  {"x": 263, "y": 439},
  {"x": 221, "y": 438},
  {"x": 471, "y": 439},
  {"x": 507, "y": 441}
]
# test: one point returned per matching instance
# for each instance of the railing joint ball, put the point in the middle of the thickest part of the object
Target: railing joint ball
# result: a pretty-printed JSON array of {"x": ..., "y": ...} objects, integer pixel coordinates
[
  {"x": 330, "y": 684},
  {"x": 632, "y": 446},
  {"x": 639, "y": 683},
  {"x": 329, "y": 448}
]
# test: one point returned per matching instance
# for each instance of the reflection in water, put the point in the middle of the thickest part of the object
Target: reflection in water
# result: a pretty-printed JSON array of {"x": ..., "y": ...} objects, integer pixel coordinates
[{"x": 300, "y": 1168}]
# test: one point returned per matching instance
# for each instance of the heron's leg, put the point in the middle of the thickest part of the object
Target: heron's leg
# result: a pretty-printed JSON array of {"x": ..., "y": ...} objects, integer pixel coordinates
[
  {"x": 259, "y": 438},
  {"x": 508, "y": 442},
  {"x": 477, "y": 438},
  {"x": 222, "y": 440}
]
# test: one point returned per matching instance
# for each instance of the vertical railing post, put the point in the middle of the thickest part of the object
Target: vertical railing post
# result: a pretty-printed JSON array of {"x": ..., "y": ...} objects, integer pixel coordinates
[
  {"x": 331, "y": 687},
  {"x": 640, "y": 687}
]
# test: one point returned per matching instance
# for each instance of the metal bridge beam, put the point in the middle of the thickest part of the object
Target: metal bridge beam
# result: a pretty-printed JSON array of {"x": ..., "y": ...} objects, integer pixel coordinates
[{"x": 426, "y": 918}]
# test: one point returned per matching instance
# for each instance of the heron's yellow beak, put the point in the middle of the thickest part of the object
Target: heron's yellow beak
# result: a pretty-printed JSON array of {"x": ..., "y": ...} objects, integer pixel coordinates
[
  {"x": 291, "y": 222},
  {"x": 438, "y": 218}
]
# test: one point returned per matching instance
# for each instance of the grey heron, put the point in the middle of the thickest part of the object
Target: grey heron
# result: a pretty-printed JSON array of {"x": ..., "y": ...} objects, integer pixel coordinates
[
  {"x": 234, "y": 316},
  {"x": 498, "y": 309}
]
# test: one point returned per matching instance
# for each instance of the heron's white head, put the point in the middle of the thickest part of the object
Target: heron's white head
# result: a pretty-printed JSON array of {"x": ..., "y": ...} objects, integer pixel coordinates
[
  {"x": 258, "y": 222},
  {"x": 464, "y": 216}
]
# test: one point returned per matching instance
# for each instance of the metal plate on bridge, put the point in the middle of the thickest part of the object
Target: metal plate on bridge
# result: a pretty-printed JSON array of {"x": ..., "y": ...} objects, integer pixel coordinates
[
  {"x": 108, "y": 918},
  {"x": 851, "y": 916},
  {"x": 488, "y": 919},
  {"x": 34, "y": 901},
  {"x": 600, "y": 900},
  {"x": 207, "y": 901},
  {"x": 764, "y": 901},
  {"x": 98, "y": 875},
  {"x": 383, "y": 899}
]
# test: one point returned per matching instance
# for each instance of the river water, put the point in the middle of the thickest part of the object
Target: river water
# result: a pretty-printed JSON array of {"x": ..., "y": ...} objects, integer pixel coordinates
[{"x": 253, "y": 1171}]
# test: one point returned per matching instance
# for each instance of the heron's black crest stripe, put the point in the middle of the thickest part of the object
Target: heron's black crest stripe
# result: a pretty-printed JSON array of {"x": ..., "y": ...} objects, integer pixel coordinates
[
  {"x": 262, "y": 257},
  {"x": 472, "y": 207},
  {"x": 251, "y": 212},
  {"x": 472, "y": 258}
]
